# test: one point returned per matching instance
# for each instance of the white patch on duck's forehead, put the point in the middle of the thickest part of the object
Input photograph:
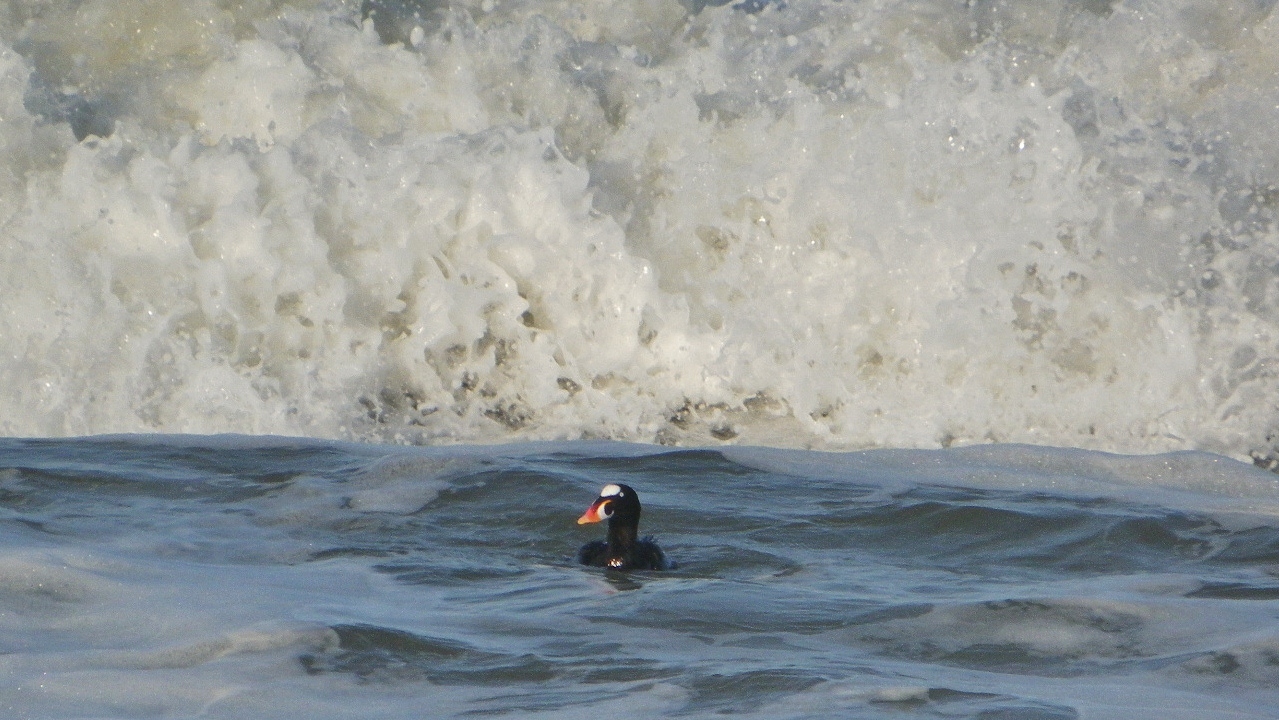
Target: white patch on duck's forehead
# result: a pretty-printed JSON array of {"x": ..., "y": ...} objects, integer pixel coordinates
[{"x": 611, "y": 491}]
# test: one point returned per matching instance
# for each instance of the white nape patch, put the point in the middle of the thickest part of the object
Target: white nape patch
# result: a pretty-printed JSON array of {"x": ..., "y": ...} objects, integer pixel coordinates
[{"x": 610, "y": 491}]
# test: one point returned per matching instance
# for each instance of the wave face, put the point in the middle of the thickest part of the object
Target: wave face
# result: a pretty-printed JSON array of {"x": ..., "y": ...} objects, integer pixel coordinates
[{"x": 823, "y": 224}]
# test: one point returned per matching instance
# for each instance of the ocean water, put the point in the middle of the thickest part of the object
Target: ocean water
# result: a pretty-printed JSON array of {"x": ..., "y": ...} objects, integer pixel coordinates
[
  {"x": 233, "y": 577},
  {"x": 324, "y": 319},
  {"x": 826, "y": 224}
]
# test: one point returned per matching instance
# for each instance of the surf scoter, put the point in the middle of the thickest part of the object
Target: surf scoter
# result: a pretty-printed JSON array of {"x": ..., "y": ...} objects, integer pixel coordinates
[{"x": 622, "y": 550}]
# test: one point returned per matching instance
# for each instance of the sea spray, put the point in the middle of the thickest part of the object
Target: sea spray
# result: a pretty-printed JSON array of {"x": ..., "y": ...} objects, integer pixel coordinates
[{"x": 823, "y": 224}]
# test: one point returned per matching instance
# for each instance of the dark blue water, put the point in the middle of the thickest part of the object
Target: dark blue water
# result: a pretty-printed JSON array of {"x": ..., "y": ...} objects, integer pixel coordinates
[{"x": 153, "y": 576}]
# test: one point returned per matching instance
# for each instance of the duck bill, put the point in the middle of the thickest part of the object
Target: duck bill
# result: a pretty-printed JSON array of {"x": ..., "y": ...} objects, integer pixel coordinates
[{"x": 597, "y": 512}]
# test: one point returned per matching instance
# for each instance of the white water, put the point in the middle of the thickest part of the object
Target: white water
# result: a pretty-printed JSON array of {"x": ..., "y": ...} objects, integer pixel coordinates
[{"x": 826, "y": 224}]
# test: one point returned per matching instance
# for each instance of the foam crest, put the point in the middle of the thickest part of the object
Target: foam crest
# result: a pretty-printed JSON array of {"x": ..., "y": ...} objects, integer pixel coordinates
[{"x": 830, "y": 224}]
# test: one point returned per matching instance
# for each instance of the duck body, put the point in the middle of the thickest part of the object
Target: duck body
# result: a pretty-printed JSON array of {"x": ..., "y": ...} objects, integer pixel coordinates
[
  {"x": 643, "y": 555},
  {"x": 622, "y": 549}
]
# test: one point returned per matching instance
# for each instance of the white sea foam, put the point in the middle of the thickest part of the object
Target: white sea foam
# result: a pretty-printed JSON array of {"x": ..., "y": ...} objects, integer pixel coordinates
[{"x": 824, "y": 224}]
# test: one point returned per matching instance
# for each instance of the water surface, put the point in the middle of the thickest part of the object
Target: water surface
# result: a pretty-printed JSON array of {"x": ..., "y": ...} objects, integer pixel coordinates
[{"x": 170, "y": 577}]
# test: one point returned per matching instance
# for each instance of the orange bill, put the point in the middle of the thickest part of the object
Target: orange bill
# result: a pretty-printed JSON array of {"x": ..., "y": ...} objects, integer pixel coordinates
[{"x": 597, "y": 512}]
